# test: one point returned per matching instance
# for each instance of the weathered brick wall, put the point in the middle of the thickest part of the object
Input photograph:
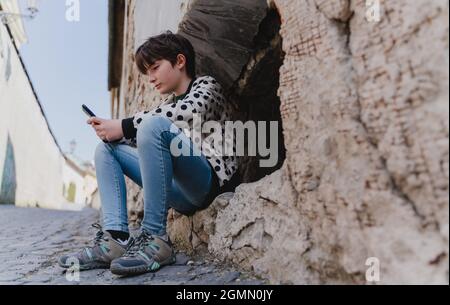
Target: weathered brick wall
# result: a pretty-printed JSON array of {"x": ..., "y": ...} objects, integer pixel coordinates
[{"x": 365, "y": 116}]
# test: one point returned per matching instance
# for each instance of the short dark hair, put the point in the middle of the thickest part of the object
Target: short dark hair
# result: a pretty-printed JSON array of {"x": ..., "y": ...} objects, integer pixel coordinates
[{"x": 165, "y": 46}]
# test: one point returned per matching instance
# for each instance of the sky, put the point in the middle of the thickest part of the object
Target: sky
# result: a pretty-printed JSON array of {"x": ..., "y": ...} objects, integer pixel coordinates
[{"x": 68, "y": 66}]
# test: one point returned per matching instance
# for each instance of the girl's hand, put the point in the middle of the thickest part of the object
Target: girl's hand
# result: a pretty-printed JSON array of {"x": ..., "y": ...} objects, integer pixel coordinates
[{"x": 109, "y": 130}]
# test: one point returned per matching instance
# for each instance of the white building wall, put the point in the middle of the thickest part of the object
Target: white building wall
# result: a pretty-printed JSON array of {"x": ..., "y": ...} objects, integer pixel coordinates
[
  {"x": 90, "y": 185},
  {"x": 154, "y": 17},
  {"x": 37, "y": 160},
  {"x": 72, "y": 176}
]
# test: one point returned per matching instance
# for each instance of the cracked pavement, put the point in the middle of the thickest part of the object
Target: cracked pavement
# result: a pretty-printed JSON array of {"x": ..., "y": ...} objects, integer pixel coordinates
[{"x": 32, "y": 239}]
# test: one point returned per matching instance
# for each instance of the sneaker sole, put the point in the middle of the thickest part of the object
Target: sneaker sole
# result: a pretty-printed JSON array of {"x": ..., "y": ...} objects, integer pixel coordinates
[{"x": 126, "y": 271}]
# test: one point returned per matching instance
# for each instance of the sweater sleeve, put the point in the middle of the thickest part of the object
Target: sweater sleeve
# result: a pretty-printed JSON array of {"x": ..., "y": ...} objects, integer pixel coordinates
[{"x": 129, "y": 132}]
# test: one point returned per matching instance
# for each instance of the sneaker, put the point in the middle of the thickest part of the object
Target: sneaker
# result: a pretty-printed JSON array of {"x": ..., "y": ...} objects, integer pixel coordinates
[
  {"x": 100, "y": 255},
  {"x": 148, "y": 253}
]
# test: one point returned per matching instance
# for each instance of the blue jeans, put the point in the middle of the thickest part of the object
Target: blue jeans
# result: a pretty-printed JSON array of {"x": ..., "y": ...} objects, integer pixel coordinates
[{"x": 185, "y": 183}]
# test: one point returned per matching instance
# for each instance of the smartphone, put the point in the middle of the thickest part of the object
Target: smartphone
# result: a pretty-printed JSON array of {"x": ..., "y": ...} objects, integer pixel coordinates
[
  {"x": 87, "y": 111},
  {"x": 90, "y": 114}
]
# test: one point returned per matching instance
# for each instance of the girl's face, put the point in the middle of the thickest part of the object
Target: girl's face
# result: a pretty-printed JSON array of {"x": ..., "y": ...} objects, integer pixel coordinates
[{"x": 164, "y": 77}]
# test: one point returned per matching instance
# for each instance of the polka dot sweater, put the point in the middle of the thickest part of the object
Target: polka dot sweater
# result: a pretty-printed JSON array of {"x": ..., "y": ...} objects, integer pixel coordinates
[{"x": 204, "y": 98}]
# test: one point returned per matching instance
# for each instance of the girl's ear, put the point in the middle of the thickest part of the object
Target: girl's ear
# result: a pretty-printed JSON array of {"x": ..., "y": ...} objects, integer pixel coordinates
[{"x": 181, "y": 61}]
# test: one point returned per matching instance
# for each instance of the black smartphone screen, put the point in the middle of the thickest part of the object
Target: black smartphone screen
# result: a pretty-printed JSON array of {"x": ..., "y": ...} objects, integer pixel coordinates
[{"x": 87, "y": 111}]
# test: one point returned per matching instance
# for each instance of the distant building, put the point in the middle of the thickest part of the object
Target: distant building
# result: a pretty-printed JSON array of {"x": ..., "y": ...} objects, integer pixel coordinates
[
  {"x": 34, "y": 171},
  {"x": 79, "y": 181}
]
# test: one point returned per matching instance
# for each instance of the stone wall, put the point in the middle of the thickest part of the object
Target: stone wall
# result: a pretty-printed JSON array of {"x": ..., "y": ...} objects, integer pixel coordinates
[{"x": 364, "y": 110}]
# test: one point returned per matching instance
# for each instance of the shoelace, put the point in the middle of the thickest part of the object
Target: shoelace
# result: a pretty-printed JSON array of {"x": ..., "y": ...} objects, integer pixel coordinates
[
  {"x": 100, "y": 235},
  {"x": 138, "y": 243}
]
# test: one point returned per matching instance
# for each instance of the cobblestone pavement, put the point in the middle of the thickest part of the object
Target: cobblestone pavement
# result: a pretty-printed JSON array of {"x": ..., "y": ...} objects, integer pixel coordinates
[{"x": 31, "y": 241}]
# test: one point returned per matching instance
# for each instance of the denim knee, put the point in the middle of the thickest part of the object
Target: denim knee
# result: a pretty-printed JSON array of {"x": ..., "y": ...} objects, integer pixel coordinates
[
  {"x": 101, "y": 149},
  {"x": 153, "y": 126}
]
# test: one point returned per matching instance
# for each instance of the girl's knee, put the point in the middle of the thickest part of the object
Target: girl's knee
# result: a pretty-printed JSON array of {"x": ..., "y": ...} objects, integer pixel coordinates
[
  {"x": 102, "y": 149},
  {"x": 153, "y": 126},
  {"x": 155, "y": 122}
]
